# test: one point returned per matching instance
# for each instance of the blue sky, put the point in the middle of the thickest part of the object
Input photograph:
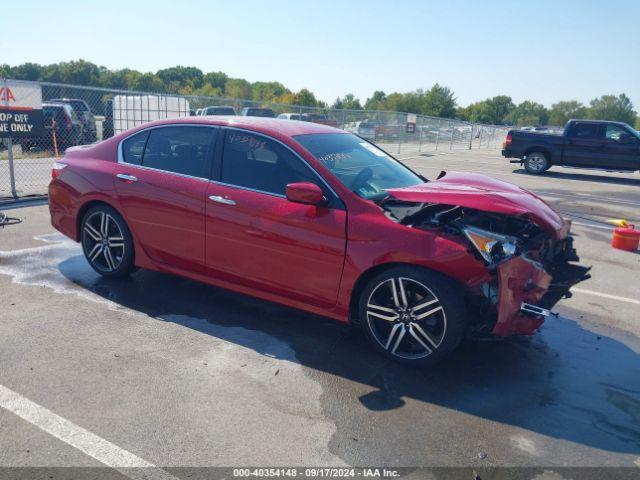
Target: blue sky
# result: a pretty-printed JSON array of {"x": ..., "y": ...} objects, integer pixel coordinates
[{"x": 540, "y": 50}]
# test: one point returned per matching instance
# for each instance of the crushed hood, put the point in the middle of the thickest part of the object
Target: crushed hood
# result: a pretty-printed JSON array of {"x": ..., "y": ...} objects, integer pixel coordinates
[{"x": 473, "y": 190}]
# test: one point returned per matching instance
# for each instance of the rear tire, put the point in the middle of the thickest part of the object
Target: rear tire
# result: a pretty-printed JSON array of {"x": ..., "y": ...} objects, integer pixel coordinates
[
  {"x": 536, "y": 163},
  {"x": 107, "y": 242},
  {"x": 413, "y": 315}
]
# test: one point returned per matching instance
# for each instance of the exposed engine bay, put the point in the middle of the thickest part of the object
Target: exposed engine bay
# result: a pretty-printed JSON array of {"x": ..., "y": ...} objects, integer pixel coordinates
[{"x": 528, "y": 266}]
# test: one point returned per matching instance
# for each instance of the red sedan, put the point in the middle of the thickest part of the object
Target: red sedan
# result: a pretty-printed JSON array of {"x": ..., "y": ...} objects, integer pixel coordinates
[{"x": 318, "y": 219}]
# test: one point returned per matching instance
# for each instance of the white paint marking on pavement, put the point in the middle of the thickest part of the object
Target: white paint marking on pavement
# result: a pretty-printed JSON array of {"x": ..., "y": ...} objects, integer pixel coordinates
[
  {"x": 89, "y": 443},
  {"x": 606, "y": 295},
  {"x": 587, "y": 197},
  {"x": 603, "y": 227}
]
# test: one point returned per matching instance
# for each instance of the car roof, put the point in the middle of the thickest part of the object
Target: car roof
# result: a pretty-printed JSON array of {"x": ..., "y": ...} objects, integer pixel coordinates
[
  {"x": 54, "y": 104},
  {"x": 64, "y": 99},
  {"x": 268, "y": 126}
]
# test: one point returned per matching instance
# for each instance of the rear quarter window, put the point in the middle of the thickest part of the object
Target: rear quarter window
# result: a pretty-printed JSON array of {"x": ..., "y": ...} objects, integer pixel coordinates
[
  {"x": 585, "y": 130},
  {"x": 133, "y": 148}
]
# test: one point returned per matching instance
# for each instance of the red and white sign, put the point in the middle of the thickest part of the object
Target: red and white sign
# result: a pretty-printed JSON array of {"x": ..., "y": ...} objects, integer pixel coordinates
[
  {"x": 411, "y": 122},
  {"x": 20, "y": 109}
]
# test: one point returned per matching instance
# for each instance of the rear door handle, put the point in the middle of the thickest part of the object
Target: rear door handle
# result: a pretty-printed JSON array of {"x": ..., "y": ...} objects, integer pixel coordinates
[
  {"x": 223, "y": 200},
  {"x": 127, "y": 178}
]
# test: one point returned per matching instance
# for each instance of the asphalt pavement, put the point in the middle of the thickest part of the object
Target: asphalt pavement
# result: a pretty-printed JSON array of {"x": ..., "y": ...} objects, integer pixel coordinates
[{"x": 157, "y": 372}]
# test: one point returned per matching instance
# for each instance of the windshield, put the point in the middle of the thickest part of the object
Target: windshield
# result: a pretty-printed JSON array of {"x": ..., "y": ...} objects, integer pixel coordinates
[{"x": 360, "y": 166}]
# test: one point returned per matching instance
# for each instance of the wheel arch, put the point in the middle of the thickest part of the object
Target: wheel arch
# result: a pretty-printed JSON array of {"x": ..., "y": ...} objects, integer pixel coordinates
[
  {"x": 543, "y": 150},
  {"x": 84, "y": 208}
]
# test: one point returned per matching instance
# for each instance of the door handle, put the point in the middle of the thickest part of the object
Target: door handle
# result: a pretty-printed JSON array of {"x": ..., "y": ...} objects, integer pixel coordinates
[
  {"x": 127, "y": 178},
  {"x": 223, "y": 200}
]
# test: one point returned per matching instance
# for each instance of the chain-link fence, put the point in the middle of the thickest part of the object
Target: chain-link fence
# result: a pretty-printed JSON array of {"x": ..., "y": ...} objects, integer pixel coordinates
[{"x": 76, "y": 115}]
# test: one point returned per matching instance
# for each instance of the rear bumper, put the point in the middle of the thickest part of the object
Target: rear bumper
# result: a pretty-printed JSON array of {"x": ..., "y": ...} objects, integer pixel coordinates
[{"x": 511, "y": 154}]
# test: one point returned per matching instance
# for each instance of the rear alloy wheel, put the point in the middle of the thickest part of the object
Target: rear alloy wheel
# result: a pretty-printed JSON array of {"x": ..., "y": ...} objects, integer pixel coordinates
[
  {"x": 106, "y": 242},
  {"x": 536, "y": 163},
  {"x": 413, "y": 315}
]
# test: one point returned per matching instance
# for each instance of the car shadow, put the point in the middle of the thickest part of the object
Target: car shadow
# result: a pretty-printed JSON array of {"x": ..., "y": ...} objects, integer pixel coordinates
[
  {"x": 565, "y": 382},
  {"x": 586, "y": 177}
]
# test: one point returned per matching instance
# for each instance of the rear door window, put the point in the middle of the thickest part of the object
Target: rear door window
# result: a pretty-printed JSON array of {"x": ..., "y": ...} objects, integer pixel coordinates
[
  {"x": 585, "y": 131},
  {"x": 181, "y": 149}
]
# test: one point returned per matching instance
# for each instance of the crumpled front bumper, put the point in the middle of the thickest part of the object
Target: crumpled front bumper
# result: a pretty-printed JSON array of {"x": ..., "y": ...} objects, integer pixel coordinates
[{"x": 522, "y": 280}]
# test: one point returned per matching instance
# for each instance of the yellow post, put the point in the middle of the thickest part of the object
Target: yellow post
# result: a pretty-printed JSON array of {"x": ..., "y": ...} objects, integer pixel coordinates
[{"x": 55, "y": 142}]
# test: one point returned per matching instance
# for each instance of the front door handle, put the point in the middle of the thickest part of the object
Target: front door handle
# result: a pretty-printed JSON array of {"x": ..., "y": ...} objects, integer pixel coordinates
[
  {"x": 127, "y": 178},
  {"x": 223, "y": 200}
]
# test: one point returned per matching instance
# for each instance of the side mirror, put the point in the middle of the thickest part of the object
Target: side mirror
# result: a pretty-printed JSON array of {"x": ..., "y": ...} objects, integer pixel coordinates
[
  {"x": 305, "y": 192},
  {"x": 627, "y": 138}
]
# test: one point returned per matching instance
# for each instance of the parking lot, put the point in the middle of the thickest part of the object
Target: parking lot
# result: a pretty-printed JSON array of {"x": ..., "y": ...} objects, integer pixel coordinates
[{"x": 164, "y": 373}]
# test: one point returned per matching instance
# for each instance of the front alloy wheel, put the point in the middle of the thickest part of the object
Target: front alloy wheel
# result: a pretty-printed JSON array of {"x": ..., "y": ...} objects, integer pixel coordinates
[{"x": 412, "y": 315}]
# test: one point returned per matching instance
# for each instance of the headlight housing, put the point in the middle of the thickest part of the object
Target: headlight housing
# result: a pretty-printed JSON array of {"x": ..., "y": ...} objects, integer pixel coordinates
[{"x": 493, "y": 247}]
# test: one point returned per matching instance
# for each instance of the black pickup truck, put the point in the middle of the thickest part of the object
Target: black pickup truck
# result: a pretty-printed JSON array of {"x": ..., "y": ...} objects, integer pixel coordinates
[{"x": 612, "y": 146}]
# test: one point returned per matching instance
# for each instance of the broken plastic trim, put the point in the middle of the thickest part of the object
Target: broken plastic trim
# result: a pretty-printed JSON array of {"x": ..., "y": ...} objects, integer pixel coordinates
[{"x": 528, "y": 308}]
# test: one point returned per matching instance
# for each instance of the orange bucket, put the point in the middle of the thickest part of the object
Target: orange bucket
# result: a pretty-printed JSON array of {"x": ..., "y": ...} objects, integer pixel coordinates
[{"x": 626, "y": 238}]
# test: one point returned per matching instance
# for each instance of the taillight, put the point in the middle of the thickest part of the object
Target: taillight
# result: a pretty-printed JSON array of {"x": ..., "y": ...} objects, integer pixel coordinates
[
  {"x": 57, "y": 168},
  {"x": 507, "y": 140}
]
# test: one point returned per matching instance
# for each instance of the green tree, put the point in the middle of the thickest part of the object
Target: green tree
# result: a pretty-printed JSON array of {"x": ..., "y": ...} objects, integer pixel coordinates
[
  {"x": 411, "y": 102},
  {"x": 178, "y": 78},
  {"x": 26, "y": 71},
  {"x": 610, "y": 107},
  {"x": 562, "y": 112},
  {"x": 439, "y": 102},
  {"x": 270, "y": 91},
  {"x": 148, "y": 82},
  {"x": 348, "y": 102},
  {"x": 394, "y": 101},
  {"x": 237, "y": 88},
  {"x": 80, "y": 72},
  {"x": 377, "y": 101},
  {"x": 51, "y": 73},
  {"x": 528, "y": 113},
  {"x": 305, "y": 98},
  {"x": 120, "y": 79},
  {"x": 207, "y": 90},
  {"x": 492, "y": 110},
  {"x": 216, "y": 79}
]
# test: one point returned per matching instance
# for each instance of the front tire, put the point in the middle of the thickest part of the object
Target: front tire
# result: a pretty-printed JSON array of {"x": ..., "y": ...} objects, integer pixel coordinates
[
  {"x": 413, "y": 315},
  {"x": 536, "y": 163},
  {"x": 107, "y": 243}
]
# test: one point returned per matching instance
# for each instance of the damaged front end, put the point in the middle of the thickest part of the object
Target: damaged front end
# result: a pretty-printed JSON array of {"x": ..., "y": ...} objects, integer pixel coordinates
[
  {"x": 528, "y": 288},
  {"x": 528, "y": 251}
]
